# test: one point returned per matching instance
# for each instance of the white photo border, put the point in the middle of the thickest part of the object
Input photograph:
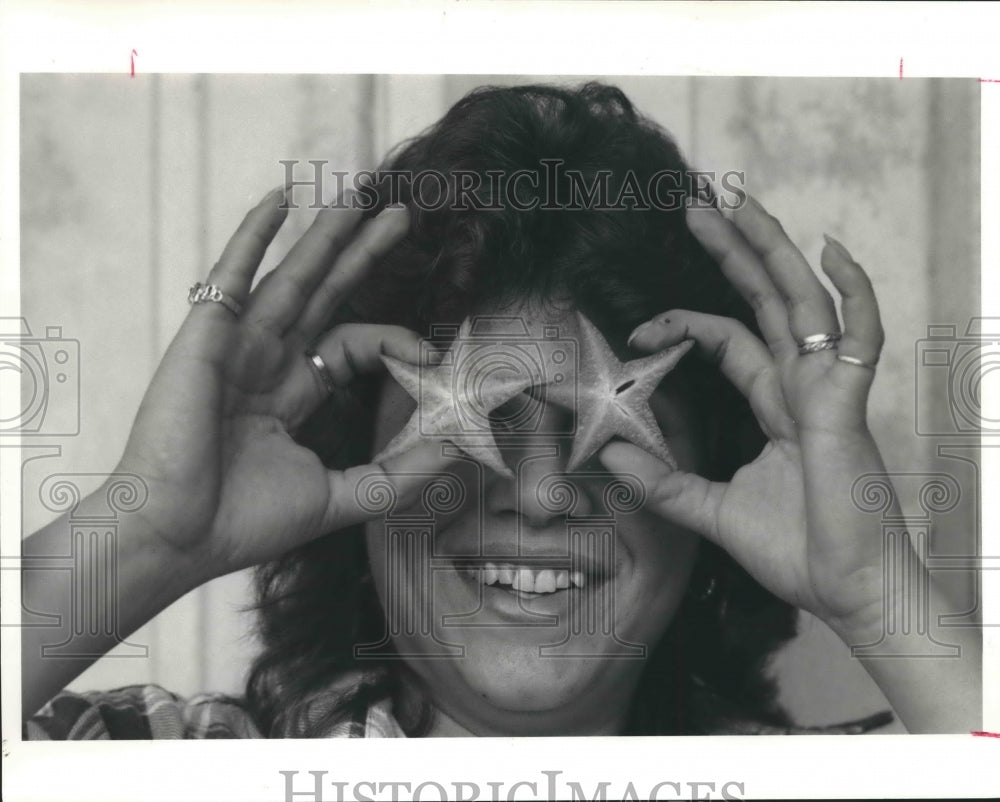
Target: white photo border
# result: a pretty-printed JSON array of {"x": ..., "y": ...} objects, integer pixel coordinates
[{"x": 807, "y": 39}]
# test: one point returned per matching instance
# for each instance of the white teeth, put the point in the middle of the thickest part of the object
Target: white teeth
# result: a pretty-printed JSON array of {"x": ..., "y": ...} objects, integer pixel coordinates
[
  {"x": 527, "y": 580},
  {"x": 545, "y": 582},
  {"x": 524, "y": 580}
]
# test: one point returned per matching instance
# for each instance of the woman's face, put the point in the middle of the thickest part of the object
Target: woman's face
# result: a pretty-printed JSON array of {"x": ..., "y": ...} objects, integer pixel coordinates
[{"x": 529, "y": 607}]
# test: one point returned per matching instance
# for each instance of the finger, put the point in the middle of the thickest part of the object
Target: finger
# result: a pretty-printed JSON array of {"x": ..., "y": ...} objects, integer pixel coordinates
[
  {"x": 345, "y": 353},
  {"x": 863, "y": 336},
  {"x": 284, "y": 291},
  {"x": 810, "y": 308},
  {"x": 241, "y": 257},
  {"x": 356, "y": 493},
  {"x": 207, "y": 334},
  {"x": 740, "y": 265},
  {"x": 683, "y": 498},
  {"x": 375, "y": 239},
  {"x": 740, "y": 356},
  {"x": 318, "y": 258}
]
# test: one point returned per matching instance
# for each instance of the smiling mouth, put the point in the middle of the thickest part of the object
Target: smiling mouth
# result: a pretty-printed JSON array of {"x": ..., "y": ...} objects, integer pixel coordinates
[{"x": 527, "y": 581}]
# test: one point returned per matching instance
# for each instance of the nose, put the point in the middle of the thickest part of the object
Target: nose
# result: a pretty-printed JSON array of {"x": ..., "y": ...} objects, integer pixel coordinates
[{"x": 540, "y": 492}]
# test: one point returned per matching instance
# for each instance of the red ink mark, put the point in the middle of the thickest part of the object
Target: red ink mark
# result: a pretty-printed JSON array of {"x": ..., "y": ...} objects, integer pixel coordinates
[
  {"x": 901, "y": 68},
  {"x": 989, "y": 80},
  {"x": 982, "y": 734},
  {"x": 131, "y": 60}
]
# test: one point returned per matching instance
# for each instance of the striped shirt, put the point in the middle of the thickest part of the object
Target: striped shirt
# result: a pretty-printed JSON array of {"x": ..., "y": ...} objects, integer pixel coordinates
[{"x": 143, "y": 712}]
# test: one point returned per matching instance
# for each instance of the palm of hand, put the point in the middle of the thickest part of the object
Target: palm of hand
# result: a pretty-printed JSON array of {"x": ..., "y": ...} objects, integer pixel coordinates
[
  {"x": 810, "y": 560},
  {"x": 274, "y": 492},
  {"x": 217, "y": 452}
]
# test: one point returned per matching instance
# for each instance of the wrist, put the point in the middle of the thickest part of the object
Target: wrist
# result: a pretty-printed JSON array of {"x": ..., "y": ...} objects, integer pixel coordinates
[{"x": 139, "y": 540}]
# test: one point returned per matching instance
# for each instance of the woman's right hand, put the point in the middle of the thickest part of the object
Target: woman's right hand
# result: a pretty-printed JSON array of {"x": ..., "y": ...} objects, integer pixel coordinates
[{"x": 228, "y": 487}]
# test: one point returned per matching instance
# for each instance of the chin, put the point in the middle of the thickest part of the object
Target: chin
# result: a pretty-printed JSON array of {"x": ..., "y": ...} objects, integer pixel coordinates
[
  {"x": 520, "y": 681},
  {"x": 511, "y": 681},
  {"x": 515, "y": 692}
]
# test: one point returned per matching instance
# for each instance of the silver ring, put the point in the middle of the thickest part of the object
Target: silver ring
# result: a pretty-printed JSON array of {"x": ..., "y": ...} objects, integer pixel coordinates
[
  {"x": 818, "y": 342},
  {"x": 852, "y": 360},
  {"x": 211, "y": 293},
  {"x": 321, "y": 370}
]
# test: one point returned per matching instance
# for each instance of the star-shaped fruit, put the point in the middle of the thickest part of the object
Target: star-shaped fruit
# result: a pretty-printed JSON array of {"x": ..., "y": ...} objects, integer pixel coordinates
[
  {"x": 612, "y": 397},
  {"x": 476, "y": 376},
  {"x": 455, "y": 398}
]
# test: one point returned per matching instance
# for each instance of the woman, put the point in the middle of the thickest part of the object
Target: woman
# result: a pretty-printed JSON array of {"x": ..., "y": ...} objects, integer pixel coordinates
[{"x": 254, "y": 435}]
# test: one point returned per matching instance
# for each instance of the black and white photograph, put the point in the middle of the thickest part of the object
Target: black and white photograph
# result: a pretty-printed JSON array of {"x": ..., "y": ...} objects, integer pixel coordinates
[{"x": 529, "y": 406}]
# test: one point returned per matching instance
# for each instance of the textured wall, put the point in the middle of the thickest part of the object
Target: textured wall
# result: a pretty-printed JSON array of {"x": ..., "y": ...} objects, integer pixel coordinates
[{"x": 130, "y": 188}]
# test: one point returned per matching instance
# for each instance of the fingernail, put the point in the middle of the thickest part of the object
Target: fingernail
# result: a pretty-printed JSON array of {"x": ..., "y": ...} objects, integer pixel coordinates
[
  {"x": 274, "y": 193},
  {"x": 279, "y": 193},
  {"x": 391, "y": 208},
  {"x": 636, "y": 332},
  {"x": 840, "y": 249},
  {"x": 656, "y": 321},
  {"x": 701, "y": 202}
]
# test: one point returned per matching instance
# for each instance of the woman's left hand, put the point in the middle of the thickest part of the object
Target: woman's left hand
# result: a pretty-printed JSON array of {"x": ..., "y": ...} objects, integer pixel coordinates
[{"x": 787, "y": 517}]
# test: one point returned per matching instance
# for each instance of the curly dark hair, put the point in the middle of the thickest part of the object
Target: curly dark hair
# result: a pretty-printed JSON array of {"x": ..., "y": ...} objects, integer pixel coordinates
[{"x": 620, "y": 267}]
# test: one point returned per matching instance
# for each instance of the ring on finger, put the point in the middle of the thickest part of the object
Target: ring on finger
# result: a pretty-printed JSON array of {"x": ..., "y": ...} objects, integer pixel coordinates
[
  {"x": 853, "y": 360},
  {"x": 212, "y": 293},
  {"x": 321, "y": 370},
  {"x": 815, "y": 343}
]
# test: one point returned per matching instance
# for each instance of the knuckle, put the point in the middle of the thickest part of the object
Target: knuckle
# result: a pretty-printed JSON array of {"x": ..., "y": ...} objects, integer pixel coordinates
[
  {"x": 758, "y": 300},
  {"x": 343, "y": 331},
  {"x": 669, "y": 488},
  {"x": 366, "y": 250},
  {"x": 330, "y": 229},
  {"x": 719, "y": 350},
  {"x": 349, "y": 361},
  {"x": 733, "y": 327},
  {"x": 292, "y": 285}
]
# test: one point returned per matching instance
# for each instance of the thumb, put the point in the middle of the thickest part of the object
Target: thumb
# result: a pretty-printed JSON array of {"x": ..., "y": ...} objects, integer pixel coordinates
[{"x": 677, "y": 496}]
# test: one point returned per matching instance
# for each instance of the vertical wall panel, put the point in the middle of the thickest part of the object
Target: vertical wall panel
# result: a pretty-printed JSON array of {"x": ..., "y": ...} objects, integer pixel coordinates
[
  {"x": 952, "y": 241},
  {"x": 254, "y": 122},
  {"x": 85, "y": 234},
  {"x": 404, "y": 106},
  {"x": 176, "y": 263}
]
